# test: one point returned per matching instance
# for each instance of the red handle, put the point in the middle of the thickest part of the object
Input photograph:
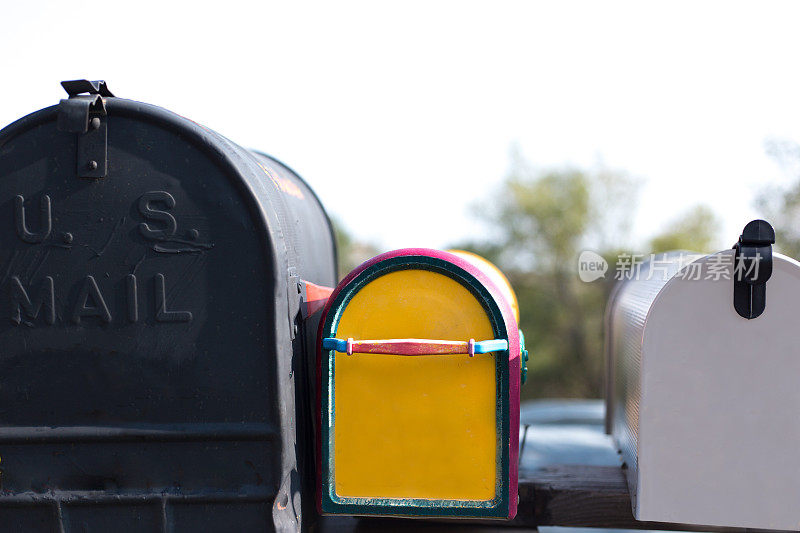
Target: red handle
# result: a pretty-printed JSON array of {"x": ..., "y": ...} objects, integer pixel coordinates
[{"x": 410, "y": 347}]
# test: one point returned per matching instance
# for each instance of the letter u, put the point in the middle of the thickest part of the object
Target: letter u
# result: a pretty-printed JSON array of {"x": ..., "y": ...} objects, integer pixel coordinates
[{"x": 45, "y": 219}]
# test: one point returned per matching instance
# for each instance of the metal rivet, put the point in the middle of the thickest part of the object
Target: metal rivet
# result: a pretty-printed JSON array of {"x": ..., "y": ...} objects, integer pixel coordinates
[
  {"x": 92, "y": 165},
  {"x": 95, "y": 123}
]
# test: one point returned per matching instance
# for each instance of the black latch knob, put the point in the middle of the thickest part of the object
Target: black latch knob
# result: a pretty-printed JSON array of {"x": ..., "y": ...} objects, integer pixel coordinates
[{"x": 752, "y": 268}]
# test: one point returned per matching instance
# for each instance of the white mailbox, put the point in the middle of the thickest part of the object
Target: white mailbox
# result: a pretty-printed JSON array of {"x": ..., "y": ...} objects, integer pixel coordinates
[{"x": 704, "y": 385}]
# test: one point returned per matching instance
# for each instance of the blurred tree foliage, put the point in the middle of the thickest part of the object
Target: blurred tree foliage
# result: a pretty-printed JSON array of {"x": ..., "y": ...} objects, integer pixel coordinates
[
  {"x": 695, "y": 230},
  {"x": 780, "y": 206},
  {"x": 539, "y": 223},
  {"x": 351, "y": 252}
]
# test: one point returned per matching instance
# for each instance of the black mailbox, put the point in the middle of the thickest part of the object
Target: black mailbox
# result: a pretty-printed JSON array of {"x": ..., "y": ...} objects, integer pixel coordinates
[{"x": 151, "y": 366}]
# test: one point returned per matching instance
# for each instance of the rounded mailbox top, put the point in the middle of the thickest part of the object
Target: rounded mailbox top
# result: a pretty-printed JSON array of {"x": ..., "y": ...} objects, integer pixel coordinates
[{"x": 165, "y": 280}]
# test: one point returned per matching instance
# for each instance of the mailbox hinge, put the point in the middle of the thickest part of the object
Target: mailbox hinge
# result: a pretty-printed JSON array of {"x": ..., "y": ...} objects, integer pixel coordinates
[
  {"x": 84, "y": 113},
  {"x": 752, "y": 267}
]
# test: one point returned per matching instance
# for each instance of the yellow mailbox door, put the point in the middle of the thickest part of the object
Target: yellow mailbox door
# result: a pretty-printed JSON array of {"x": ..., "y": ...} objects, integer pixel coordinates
[{"x": 416, "y": 404}]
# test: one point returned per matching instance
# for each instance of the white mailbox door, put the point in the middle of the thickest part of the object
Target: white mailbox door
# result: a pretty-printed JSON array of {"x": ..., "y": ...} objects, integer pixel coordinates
[{"x": 719, "y": 427}]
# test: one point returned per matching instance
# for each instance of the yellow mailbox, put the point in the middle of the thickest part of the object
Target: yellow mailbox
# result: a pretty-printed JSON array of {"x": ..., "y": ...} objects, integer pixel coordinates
[{"x": 419, "y": 375}]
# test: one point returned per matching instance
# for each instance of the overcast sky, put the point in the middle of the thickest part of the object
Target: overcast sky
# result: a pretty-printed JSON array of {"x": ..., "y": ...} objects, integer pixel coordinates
[{"x": 401, "y": 115}]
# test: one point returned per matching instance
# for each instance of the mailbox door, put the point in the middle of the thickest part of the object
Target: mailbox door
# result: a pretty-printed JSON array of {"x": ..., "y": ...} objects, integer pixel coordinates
[{"x": 419, "y": 433}]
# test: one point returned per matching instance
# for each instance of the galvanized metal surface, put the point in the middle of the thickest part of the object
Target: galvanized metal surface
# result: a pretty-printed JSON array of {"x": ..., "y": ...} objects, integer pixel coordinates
[{"x": 625, "y": 323}]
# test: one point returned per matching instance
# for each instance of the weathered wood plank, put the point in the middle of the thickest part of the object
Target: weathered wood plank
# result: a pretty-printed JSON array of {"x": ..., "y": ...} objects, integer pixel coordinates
[
  {"x": 585, "y": 496},
  {"x": 558, "y": 495}
]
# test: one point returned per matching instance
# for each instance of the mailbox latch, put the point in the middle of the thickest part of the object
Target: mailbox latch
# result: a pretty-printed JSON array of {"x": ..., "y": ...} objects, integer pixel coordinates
[
  {"x": 752, "y": 268},
  {"x": 84, "y": 113}
]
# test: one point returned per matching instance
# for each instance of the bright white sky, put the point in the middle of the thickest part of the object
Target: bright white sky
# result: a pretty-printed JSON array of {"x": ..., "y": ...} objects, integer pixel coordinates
[{"x": 402, "y": 115}]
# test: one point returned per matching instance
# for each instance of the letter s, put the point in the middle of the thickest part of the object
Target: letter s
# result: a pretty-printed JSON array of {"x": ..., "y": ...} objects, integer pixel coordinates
[{"x": 157, "y": 215}]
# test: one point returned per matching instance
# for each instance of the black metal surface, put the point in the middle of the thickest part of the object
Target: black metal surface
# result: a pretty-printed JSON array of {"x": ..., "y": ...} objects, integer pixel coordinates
[
  {"x": 148, "y": 376},
  {"x": 752, "y": 268}
]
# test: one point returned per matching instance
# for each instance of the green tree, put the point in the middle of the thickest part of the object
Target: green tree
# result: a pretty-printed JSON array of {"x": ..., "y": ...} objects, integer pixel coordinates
[
  {"x": 350, "y": 252},
  {"x": 541, "y": 222},
  {"x": 695, "y": 230},
  {"x": 780, "y": 205}
]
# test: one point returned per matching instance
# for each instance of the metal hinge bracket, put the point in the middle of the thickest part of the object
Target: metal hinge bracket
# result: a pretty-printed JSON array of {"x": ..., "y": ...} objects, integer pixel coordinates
[{"x": 84, "y": 113}]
